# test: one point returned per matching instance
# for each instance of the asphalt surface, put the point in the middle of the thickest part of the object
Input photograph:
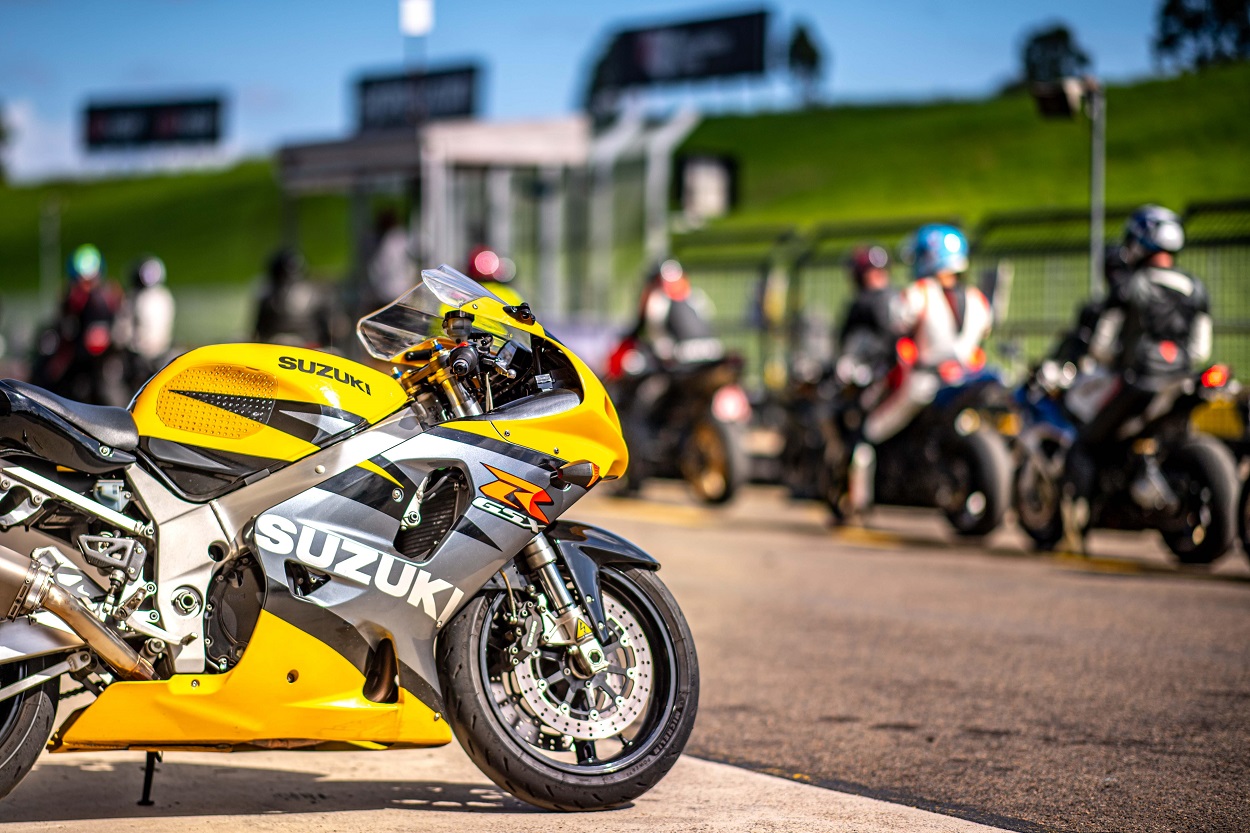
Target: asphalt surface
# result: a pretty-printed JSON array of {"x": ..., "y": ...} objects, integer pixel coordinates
[
  {"x": 883, "y": 675},
  {"x": 1022, "y": 691}
]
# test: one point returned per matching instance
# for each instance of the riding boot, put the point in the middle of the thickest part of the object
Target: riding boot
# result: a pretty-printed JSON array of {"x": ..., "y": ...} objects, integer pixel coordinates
[
  {"x": 1075, "y": 513},
  {"x": 863, "y": 471}
]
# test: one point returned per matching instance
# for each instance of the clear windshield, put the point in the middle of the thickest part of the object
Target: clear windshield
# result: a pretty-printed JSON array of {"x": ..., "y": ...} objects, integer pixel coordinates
[{"x": 418, "y": 315}]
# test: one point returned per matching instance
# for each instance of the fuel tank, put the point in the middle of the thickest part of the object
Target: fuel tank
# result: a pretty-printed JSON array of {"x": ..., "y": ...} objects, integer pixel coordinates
[{"x": 218, "y": 416}]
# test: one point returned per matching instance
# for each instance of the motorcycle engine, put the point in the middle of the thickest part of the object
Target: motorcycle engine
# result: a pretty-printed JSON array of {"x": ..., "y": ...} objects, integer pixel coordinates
[{"x": 234, "y": 603}]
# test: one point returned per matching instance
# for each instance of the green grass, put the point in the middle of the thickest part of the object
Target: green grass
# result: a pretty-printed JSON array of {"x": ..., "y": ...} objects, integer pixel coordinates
[
  {"x": 209, "y": 227},
  {"x": 1173, "y": 141}
]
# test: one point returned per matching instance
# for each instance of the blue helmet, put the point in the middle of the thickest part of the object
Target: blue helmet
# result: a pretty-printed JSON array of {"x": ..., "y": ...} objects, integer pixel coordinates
[
  {"x": 938, "y": 248},
  {"x": 1151, "y": 229}
]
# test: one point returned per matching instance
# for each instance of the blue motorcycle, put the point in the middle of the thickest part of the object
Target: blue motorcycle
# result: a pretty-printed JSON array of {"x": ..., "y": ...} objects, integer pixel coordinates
[{"x": 1154, "y": 473}]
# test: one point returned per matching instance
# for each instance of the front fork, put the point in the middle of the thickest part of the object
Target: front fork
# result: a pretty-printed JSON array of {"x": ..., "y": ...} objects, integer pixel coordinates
[{"x": 571, "y": 625}]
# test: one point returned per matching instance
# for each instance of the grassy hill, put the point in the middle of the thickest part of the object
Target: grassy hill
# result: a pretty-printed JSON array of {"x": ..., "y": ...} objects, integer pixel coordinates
[
  {"x": 1171, "y": 141},
  {"x": 210, "y": 227}
]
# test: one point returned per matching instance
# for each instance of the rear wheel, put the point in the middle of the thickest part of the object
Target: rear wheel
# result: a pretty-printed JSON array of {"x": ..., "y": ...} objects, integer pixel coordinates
[
  {"x": 714, "y": 460},
  {"x": 982, "y": 476},
  {"x": 25, "y": 721},
  {"x": 1203, "y": 475},
  {"x": 555, "y": 738}
]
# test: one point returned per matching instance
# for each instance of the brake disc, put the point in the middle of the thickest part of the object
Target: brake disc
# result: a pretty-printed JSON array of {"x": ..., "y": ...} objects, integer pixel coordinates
[{"x": 589, "y": 709}]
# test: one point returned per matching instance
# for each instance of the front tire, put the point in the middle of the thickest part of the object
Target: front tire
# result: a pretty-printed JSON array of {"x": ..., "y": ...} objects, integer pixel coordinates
[
  {"x": 503, "y": 713},
  {"x": 1203, "y": 474},
  {"x": 25, "y": 722},
  {"x": 984, "y": 468}
]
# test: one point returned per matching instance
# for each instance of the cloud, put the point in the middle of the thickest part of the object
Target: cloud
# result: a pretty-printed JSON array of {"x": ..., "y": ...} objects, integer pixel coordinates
[{"x": 38, "y": 148}]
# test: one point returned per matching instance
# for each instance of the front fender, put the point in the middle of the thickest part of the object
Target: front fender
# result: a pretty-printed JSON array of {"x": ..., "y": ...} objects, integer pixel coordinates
[{"x": 585, "y": 550}]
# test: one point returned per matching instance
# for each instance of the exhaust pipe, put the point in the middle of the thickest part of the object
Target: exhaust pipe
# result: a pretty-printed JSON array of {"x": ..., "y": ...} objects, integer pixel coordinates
[{"x": 26, "y": 585}]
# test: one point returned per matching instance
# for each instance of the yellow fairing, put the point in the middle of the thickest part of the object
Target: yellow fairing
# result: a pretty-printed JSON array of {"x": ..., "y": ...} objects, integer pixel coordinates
[
  {"x": 591, "y": 431},
  {"x": 225, "y": 375},
  {"x": 287, "y": 686}
]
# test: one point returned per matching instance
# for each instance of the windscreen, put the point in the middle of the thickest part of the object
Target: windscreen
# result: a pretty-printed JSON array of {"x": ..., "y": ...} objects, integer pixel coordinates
[{"x": 418, "y": 315}]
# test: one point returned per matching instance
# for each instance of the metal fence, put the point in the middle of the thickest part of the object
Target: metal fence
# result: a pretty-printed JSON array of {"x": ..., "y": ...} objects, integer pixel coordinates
[{"x": 779, "y": 294}]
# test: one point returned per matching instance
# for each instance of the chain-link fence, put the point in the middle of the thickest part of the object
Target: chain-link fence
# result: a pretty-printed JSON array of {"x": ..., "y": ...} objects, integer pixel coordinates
[{"x": 779, "y": 295}]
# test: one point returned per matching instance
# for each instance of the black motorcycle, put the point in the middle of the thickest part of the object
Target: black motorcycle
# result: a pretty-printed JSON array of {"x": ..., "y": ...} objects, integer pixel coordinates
[
  {"x": 1155, "y": 473},
  {"x": 951, "y": 456},
  {"x": 684, "y": 419}
]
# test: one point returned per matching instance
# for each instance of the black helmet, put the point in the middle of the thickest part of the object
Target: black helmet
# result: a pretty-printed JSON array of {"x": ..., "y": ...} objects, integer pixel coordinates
[
  {"x": 285, "y": 265},
  {"x": 866, "y": 258},
  {"x": 148, "y": 271},
  {"x": 1151, "y": 229}
]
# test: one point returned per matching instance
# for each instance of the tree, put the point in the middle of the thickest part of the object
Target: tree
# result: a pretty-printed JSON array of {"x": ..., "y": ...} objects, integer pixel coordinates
[
  {"x": 1193, "y": 34},
  {"x": 804, "y": 60},
  {"x": 1052, "y": 53}
]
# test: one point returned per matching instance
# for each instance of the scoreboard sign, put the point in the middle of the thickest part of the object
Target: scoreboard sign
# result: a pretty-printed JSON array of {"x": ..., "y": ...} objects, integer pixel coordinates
[
  {"x": 153, "y": 124},
  {"x": 399, "y": 102},
  {"x": 691, "y": 51}
]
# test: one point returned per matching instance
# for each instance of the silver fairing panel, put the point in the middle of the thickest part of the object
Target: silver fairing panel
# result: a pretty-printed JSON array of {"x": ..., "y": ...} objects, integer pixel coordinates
[{"x": 345, "y": 527}]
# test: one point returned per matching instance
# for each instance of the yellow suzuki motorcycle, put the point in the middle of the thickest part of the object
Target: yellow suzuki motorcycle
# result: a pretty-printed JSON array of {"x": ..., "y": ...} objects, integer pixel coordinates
[{"x": 279, "y": 548}]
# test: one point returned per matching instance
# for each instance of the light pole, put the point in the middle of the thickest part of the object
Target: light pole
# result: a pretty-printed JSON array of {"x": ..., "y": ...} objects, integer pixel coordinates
[{"x": 1063, "y": 99}]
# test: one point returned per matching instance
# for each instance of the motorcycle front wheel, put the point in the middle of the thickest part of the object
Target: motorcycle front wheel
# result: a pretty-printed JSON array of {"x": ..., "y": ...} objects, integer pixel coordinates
[{"x": 560, "y": 741}]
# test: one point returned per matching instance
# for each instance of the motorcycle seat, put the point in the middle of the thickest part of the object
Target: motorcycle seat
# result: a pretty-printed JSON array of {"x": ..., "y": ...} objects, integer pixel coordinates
[{"x": 114, "y": 427}]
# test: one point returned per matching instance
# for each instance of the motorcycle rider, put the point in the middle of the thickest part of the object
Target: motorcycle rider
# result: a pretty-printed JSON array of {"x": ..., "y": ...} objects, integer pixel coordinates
[
  {"x": 75, "y": 354},
  {"x": 672, "y": 329},
  {"x": 145, "y": 323},
  {"x": 865, "y": 343},
  {"x": 945, "y": 320},
  {"x": 1161, "y": 330},
  {"x": 673, "y": 318},
  {"x": 291, "y": 310},
  {"x": 866, "y": 328},
  {"x": 1074, "y": 345}
]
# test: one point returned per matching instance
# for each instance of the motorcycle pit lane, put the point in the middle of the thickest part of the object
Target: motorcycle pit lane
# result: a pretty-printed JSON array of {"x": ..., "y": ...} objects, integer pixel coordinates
[
  {"x": 888, "y": 678},
  {"x": 973, "y": 678}
]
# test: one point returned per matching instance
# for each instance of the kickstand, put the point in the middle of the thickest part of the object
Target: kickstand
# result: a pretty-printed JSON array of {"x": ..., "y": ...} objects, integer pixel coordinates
[{"x": 149, "y": 768}]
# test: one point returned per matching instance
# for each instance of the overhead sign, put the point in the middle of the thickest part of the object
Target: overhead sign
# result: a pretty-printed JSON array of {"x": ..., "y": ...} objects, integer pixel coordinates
[
  {"x": 685, "y": 51},
  {"x": 152, "y": 124},
  {"x": 397, "y": 102}
]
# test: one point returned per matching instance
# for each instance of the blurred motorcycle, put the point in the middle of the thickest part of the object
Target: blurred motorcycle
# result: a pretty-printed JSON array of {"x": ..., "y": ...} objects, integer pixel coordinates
[
  {"x": 951, "y": 456},
  {"x": 1156, "y": 473},
  {"x": 685, "y": 418}
]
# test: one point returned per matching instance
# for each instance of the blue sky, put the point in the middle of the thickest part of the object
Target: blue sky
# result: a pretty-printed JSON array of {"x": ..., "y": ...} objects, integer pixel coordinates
[{"x": 287, "y": 66}]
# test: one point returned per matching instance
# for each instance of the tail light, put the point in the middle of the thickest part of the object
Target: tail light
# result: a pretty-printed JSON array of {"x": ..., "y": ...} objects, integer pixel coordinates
[
  {"x": 1215, "y": 376},
  {"x": 1169, "y": 351},
  {"x": 730, "y": 404},
  {"x": 907, "y": 352}
]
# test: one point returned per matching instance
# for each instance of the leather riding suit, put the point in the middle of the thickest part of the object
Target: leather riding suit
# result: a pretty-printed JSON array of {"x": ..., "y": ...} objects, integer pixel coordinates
[{"x": 946, "y": 325}]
